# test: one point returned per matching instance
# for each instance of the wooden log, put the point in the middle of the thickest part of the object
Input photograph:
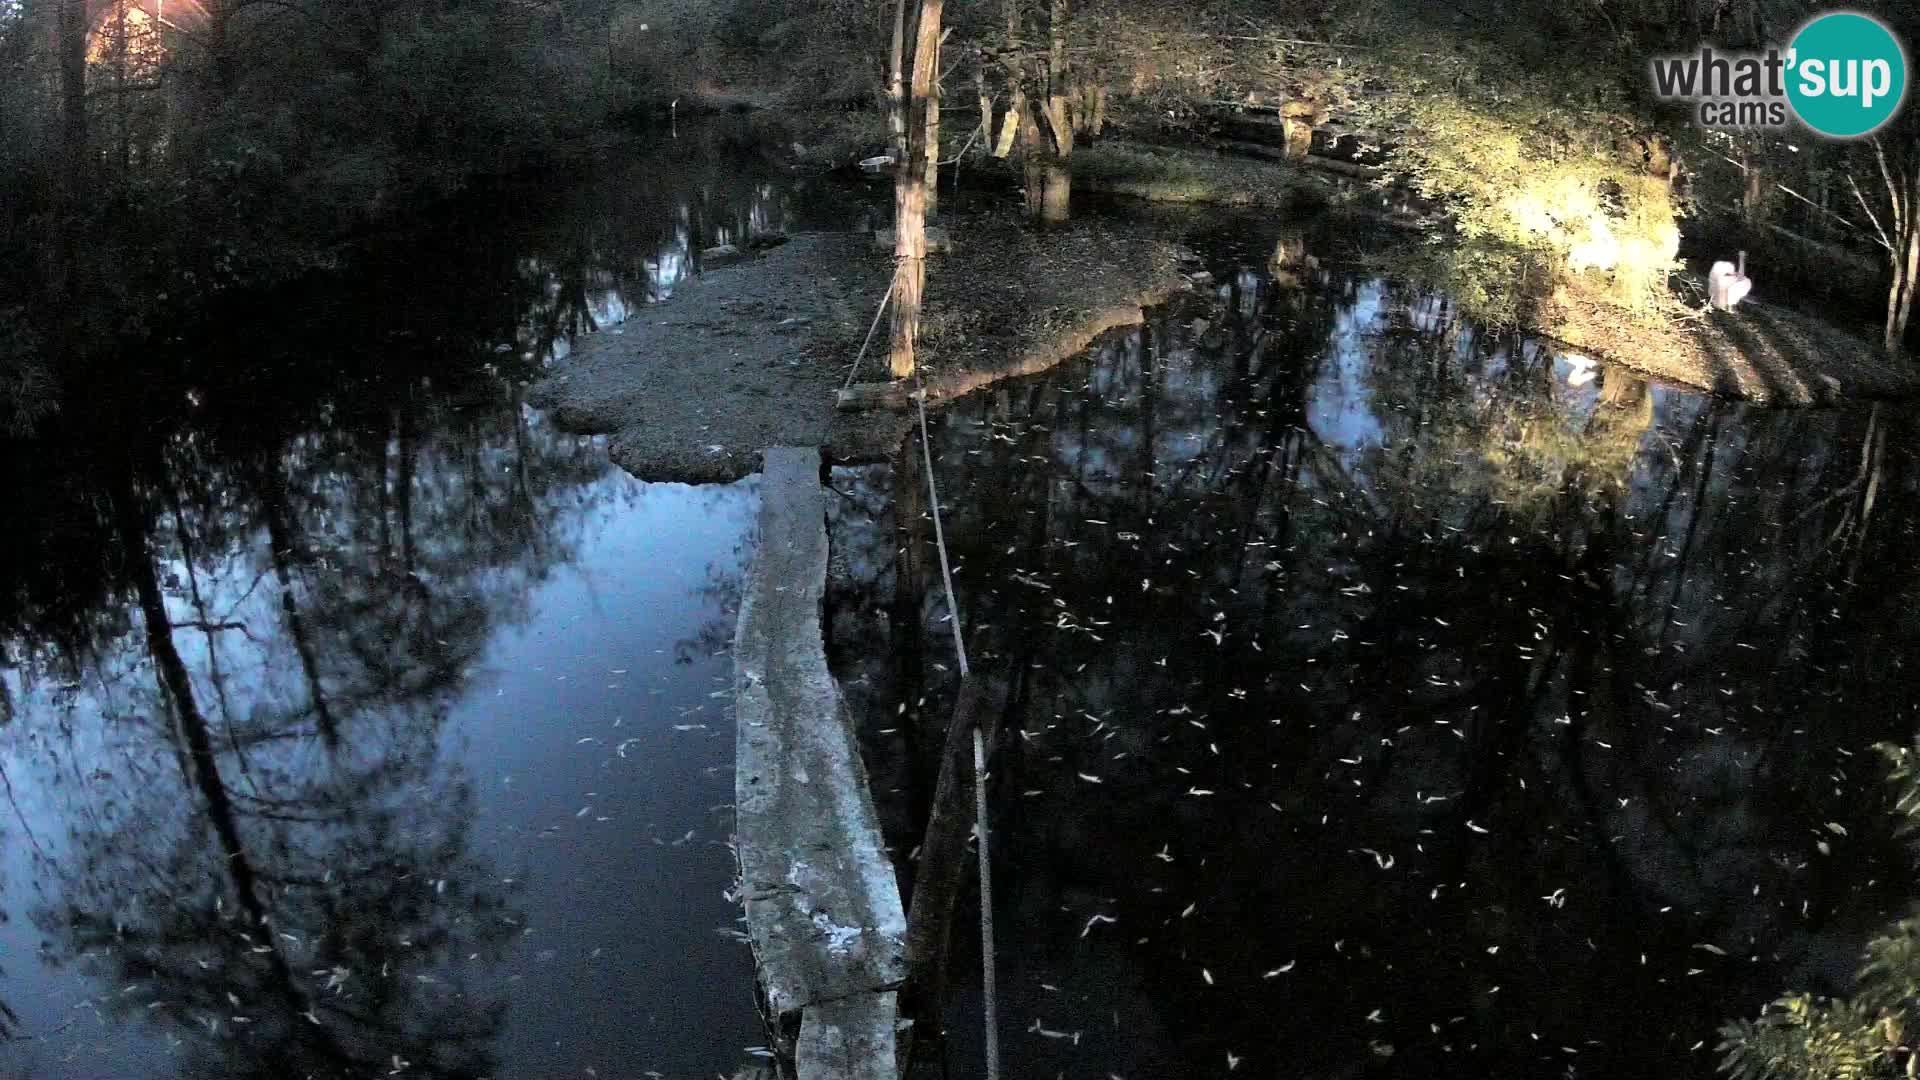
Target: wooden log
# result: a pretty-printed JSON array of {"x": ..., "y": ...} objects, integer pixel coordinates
[
  {"x": 714, "y": 258},
  {"x": 1344, "y": 168},
  {"x": 1294, "y": 108},
  {"x": 800, "y": 787},
  {"x": 1311, "y": 161},
  {"x": 1267, "y": 129},
  {"x": 893, "y": 396}
]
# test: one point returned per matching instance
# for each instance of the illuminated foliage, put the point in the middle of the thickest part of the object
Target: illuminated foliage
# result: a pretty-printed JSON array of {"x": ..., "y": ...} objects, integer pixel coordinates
[{"x": 1867, "y": 1034}]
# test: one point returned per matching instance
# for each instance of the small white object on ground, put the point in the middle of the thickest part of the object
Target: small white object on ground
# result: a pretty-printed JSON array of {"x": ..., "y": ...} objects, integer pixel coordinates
[{"x": 1727, "y": 284}]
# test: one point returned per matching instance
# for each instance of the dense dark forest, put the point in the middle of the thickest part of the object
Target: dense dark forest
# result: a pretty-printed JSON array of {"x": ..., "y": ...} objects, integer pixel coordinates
[{"x": 155, "y": 154}]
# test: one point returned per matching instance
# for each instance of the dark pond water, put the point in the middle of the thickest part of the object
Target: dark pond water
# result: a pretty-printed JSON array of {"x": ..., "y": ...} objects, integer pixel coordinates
[
  {"x": 1377, "y": 697},
  {"x": 1380, "y": 697},
  {"x": 317, "y": 626}
]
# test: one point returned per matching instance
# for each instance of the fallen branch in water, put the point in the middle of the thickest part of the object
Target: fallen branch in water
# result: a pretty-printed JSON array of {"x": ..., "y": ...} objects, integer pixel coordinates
[{"x": 210, "y": 627}]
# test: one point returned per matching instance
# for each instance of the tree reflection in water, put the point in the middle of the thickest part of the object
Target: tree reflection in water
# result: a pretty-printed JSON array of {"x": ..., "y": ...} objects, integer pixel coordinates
[
  {"x": 270, "y": 852},
  {"x": 242, "y": 626},
  {"x": 247, "y": 597},
  {"x": 1409, "y": 708}
]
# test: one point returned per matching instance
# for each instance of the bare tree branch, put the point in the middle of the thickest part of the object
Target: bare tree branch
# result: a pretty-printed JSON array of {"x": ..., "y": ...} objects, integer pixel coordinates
[
  {"x": 1894, "y": 190},
  {"x": 1884, "y": 241}
]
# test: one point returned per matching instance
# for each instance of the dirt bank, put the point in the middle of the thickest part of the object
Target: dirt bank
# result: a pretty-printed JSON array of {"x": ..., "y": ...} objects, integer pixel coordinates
[
  {"x": 1761, "y": 351},
  {"x": 750, "y": 356},
  {"x": 691, "y": 389},
  {"x": 1178, "y": 174}
]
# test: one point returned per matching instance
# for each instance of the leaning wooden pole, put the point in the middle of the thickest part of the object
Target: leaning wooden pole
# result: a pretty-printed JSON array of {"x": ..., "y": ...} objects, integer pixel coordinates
[{"x": 940, "y": 872}]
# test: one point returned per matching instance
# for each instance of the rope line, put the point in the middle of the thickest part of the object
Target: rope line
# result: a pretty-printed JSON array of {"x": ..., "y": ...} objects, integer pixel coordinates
[
  {"x": 939, "y": 533},
  {"x": 989, "y": 992},
  {"x": 884, "y": 301}
]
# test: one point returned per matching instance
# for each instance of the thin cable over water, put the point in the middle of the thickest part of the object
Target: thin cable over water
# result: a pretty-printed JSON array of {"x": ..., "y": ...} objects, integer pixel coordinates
[
  {"x": 939, "y": 533},
  {"x": 884, "y": 301},
  {"x": 989, "y": 992}
]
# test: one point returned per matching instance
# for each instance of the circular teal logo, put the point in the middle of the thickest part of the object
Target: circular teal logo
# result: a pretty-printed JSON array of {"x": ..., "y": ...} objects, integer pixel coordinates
[{"x": 1846, "y": 74}]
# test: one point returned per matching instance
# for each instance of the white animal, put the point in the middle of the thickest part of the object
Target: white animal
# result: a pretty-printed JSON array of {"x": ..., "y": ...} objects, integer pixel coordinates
[
  {"x": 1727, "y": 284},
  {"x": 1583, "y": 369}
]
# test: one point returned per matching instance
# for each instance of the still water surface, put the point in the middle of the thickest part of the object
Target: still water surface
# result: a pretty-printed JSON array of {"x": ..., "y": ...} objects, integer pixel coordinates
[
  {"x": 1377, "y": 696},
  {"x": 1384, "y": 697},
  {"x": 323, "y": 630}
]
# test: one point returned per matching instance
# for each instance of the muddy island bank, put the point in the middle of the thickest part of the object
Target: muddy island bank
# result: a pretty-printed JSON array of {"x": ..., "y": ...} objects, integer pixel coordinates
[
  {"x": 755, "y": 353},
  {"x": 752, "y": 355}
]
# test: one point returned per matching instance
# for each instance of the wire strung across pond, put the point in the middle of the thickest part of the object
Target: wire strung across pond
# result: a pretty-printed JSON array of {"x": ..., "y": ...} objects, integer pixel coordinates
[
  {"x": 989, "y": 993},
  {"x": 884, "y": 301}
]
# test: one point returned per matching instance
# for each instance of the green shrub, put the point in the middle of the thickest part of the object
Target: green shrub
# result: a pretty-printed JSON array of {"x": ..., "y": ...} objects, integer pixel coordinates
[{"x": 1865, "y": 1035}]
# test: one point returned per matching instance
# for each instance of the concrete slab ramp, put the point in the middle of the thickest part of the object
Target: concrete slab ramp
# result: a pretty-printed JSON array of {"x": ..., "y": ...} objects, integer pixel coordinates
[{"x": 823, "y": 907}]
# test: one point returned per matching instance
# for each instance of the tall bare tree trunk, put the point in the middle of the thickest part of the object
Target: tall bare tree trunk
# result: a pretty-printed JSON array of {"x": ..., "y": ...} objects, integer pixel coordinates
[
  {"x": 897, "y": 84},
  {"x": 1010, "y": 127},
  {"x": 910, "y": 194},
  {"x": 1049, "y": 183},
  {"x": 910, "y": 264},
  {"x": 1016, "y": 87},
  {"x": 933, "y": 137},
  {"x": 1056, "y": 198},
  {"x": 1033, "y": 155},
  {"x": 1059, "y": 114},
  {"x": 73, "y": 91},
  {"x": 1906, "y": 278},
  {"x": 986, "y": 100}
]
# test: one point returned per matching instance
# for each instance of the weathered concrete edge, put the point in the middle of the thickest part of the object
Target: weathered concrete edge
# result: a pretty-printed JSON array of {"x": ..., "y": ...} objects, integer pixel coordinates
[
  {"x": 824, "y": 915},
  {"x": 854, "y": 1038}
]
